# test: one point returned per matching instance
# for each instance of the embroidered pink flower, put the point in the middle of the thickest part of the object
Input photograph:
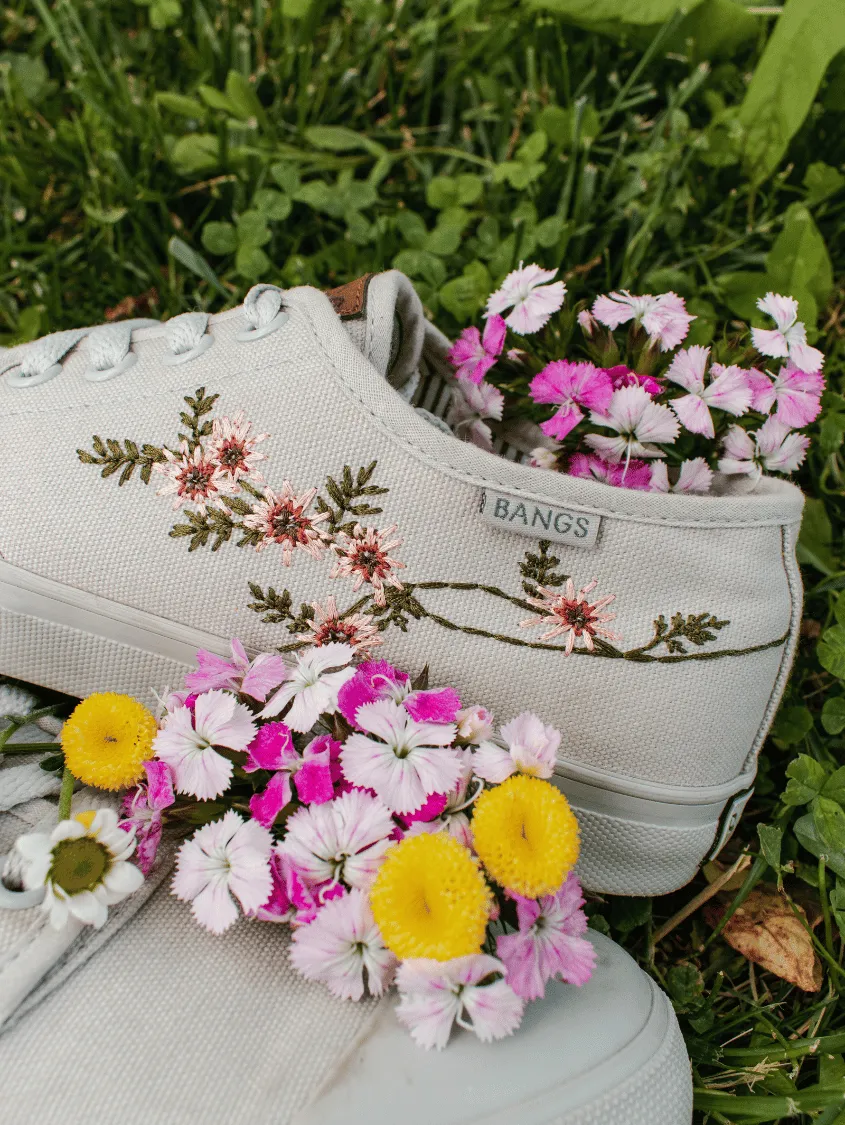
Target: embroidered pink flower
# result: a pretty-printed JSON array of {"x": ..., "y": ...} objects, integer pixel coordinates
[
  {"x": 233, "y": 446},
  {"x": 664, "y": 318},
  {"x": 473, "y": 354},
  {"x": 570, "y": 614},
  {"x": 253, "y": 678},
  {"x": 622, "y": 376},
  {"x": 789, "y": 339},
  {"x": 550, "y": 942},
  {"x": 142, "y": 809},
  {"x": 342, "y": 946},
  {"x": 365, "y": 556},
  {"x": 475, "y": 724},
  {"x": 774, "y": 447},
  {"x": 727, "y": 390},
  {"x": 403, "y": 761},
  {"x": 531, "y": 750},
  {"x": 328, "y": 627},
  {"x": 531, "y": 300},
  {"x": 225, "y": 860},
  {"x": 342, "y": 841},
  {"x": 797, "y": 394},
  {"x": 641, "y": 425},
  {"x": 192, "y": 478},
  {"x": 694, "y": 476},
  {"x": 433, "y": 995},
  {"x": 469, "y": 408},
  {"x": 188, "y": 738},
  {"x": 628, "y": 474},
  {"x": 311, "y": 686},
  {"x": 571, "y": 386},
  {"x": 281, "y": 518}
]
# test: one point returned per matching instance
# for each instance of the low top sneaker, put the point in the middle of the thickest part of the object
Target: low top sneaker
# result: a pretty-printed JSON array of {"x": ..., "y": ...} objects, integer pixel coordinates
[{"x": 288, "y": 472}]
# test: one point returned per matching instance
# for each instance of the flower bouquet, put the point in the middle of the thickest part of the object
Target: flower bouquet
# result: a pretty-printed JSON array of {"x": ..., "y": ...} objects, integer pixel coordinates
[
  {"x": 634, "y": 408},
  {"x": 399, "y": 838}
]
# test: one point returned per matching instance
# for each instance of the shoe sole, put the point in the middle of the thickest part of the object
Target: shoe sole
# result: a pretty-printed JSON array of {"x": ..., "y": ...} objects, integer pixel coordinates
[{"x": 639, "y": 838}]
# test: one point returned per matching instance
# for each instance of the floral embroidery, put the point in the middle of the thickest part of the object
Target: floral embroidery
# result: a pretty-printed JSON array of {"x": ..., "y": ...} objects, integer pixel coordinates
[{"x": 212, "y": 474}]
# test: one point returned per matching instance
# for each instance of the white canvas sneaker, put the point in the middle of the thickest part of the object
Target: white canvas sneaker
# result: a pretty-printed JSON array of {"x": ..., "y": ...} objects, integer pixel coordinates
[
  {"x": 168, "y": 1023},
  {"x": 282, "y": 472}
]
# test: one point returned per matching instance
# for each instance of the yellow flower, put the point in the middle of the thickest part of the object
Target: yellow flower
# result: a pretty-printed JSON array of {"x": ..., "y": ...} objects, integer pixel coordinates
[
  {"x": 106, "y": 740},
  {"x": 430, "y": 899},
  {"x": 526, "y": 835}
]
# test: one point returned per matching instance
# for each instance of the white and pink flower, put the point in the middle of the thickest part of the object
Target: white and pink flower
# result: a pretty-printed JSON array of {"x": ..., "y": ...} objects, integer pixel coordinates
[
  {"x": 328, "y": 626},
  {"x": 798, "y": 394},
  {"x": 530, "y": 748},
  {"x": 310, "y": 687},
  {"x": 475, "y": 724},
  {"x": 641, "y": 426},
  {"x": 550, "y": 942},
  {"x": 626, "y": 474},
  {"x": 282, "y": 520},
  {"x": 572, "y": 615},
  {"x": 470, "y": 408},
  {"x": 727, "y": 389},
  {"x": 473, "y": 354},
  {"x": 192, "y": 477},
  {"x": 402, "y": 760},
  {"x": 789, "y": 339},
  {"x": 470, "y": 991},
  {"x": 254, "y": 678},
  {"x": 365, "y": 557},
  {"x": 342, "y": 947},
  {"x": 571, "y": 386},
  {"x": 695, "y": 475},
  {"x": 664, "y": 317},
  {"x": 774, "y": 447},
  {"x": 189, "y": 735},
  {"x": 527, "y": 292},
  {"x": 143, "y": 809},
  {"x": 233, "y": 446}
]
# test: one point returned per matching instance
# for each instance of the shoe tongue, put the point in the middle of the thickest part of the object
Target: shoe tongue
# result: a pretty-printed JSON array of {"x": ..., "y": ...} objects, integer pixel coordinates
[{"x": 384, "y": 317}]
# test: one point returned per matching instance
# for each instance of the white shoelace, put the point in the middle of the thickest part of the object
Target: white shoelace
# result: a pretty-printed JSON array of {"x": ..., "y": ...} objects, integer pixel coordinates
[{"x": 109, "y": 346}]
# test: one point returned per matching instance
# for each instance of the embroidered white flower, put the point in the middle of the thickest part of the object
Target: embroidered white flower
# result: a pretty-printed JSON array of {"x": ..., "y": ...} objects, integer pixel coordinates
[
  {"x": 341, "y": 841},
  {"x": 225, "y": 860},
  {"x": 187, "y": 740},
  {"x": 531, "y": 300},
  {"x": 774, "y": 447},
  {"x": 727, "y": 390},
  {"x": 664, "y": 317},
  {"x": 281, "y": 518},
  {"x": 789, "y": 339},
  {"x": 531, "y": 750},
  {"x": 365, "y": 556},
  {"x": 82, "y": 864},
  {"x": 311, "y": 686},
  {"x": 572, "y": 615},
  {"x": 327, "y": 626},
  {"x": 191, "y": 477},
  {"x": 233, "y": 446},
  {"x": 406, "y": 761},
  {"x": 641, "y": 425},
  {"x": 433, "y": 995},
  {"x": 341, "y": 946}
]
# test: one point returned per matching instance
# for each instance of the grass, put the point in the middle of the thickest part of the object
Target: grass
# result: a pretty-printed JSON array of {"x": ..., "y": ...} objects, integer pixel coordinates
[{"x": 162, "y": 169}]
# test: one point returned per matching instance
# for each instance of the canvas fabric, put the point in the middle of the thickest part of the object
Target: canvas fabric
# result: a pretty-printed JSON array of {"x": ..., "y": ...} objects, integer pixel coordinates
[{"x": 687, "y": 722}]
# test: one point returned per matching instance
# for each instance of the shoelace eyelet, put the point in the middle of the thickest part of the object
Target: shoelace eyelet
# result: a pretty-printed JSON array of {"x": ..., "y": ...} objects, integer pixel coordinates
[
  {"x": 94, "y": 376},
  {"x": 185, "y": 357},
  {"x": 18, "y": 379},
  {"x": 248, "y": 334}
]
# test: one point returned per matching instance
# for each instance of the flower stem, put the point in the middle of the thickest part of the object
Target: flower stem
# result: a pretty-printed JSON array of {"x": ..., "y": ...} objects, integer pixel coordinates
[{"x": 66, "y": 794}]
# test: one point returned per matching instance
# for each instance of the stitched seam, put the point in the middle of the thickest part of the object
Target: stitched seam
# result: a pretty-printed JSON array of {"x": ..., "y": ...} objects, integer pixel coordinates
[{"x": 462, "y": 474}]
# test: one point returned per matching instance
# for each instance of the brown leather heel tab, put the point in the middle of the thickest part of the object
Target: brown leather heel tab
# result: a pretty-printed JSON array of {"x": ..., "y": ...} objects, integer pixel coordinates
[{"x": 351, "y": 299}]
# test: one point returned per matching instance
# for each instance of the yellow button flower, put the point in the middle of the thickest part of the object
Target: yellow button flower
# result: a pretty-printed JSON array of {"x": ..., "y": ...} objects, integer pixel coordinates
[{"x": 106, "y": 740}]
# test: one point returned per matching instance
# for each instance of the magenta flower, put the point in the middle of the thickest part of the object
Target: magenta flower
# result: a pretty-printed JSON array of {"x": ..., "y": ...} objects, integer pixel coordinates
[
  {"x": 256, "y": 678},
  {"x": 797, "y": 394},
  {"x": 571, "y": 386},
  {"x": 623, "y": 376},
  {"x": 632, "y": 474},
  {"x": 273, "y": 749},
  {"x": 664, "y": 318},
  {"x": 376, "y": 679},
  {"x": 550, "y": 942},
  {"x": 142, "y": 809},
  {"x": 472, "y": 355}
]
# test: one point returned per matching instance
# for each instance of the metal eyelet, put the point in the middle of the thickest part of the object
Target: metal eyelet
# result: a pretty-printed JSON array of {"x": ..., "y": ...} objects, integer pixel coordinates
[
  {"x": 278, "y": 320},
  {"x": 185, "y": 357},
  {"x": 19, "y": 900},
  {"x": 93, "y": 375},
  {"x": 18, "y": 379}
]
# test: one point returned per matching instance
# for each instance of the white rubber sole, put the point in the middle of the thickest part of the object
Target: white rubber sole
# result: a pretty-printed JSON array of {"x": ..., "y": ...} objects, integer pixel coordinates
[{"x": 639, "y": 838}]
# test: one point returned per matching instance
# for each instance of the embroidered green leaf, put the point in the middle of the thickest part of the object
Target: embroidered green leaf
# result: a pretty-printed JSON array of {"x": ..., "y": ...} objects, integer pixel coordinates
[
  {"x": 202, "y": 527},
  {"x": 201, "y": 405},
  {"x": 348, "y": 498},
  {"x": 540, "y": 569},
  {"x": 235, "y": 504},
  {"x": 125, "y": 458},
  {"x": 274, "y": 607}
]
